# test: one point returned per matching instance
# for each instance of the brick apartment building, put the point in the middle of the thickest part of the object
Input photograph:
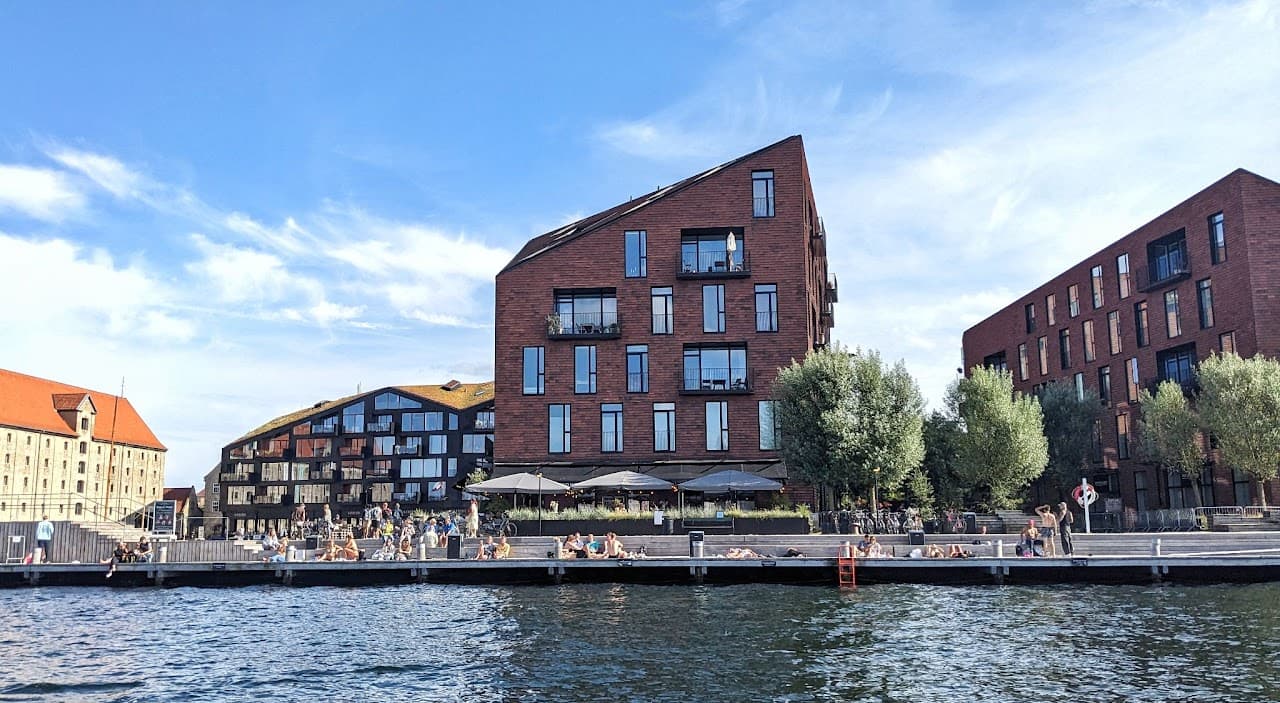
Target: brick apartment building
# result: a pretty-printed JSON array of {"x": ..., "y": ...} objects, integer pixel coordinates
[
  {"x": 406, "y": 444},
  {"x": 1203, "y": 277},
  {"x": 647, "y": 336}
]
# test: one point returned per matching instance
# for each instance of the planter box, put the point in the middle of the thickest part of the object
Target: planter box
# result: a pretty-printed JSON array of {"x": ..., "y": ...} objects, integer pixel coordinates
[{"x": 741, "y": 526}]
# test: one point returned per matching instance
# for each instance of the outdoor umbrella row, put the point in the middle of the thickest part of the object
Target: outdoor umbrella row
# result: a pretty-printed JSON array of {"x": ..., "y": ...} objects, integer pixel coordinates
[{"x": 728, "y": 481}]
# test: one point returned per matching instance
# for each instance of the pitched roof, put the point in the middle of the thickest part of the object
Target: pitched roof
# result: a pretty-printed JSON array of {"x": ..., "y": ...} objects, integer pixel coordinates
[
  {"x": 543, "y": 243},
  {"x": 462, "y": 396},
  {"x": 33, "y": 403}
]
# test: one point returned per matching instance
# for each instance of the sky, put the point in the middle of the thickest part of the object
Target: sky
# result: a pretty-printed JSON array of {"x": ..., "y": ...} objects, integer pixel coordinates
[{"x": 239, "y": 209}]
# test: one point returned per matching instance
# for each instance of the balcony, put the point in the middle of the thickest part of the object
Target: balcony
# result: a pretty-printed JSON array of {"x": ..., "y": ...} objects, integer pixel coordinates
[
  {"x": 714, "y": 264},
  {"x": 351, "y": 451},
  {"x": 235, "y": 476},
  {"x": 1151, "y": 278},
  {"x": 583, "y": 325},
  {"x": 406, "y": 497},
  {"x": 384, "y": 426},
  {"x": 833, "y": 288},
  {"x": 324, "y": 429},
  {"x": 402, "y": 450},
  {"x": 351, "y": 474},
  {"x": 266, "y": 500},
  {"x": 715, "y": 381},
  {"x": 350, "y": 499}
]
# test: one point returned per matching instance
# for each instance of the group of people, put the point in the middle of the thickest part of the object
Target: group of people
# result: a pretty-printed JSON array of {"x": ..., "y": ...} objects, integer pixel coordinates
[
  {"x": 575, "y": 547},
  {"x": 1038, "y": 540},
  {"x": 141, "y": 553}
]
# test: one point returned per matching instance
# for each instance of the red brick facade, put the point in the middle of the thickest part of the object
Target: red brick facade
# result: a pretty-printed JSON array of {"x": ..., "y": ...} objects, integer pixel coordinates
[
  {"x": 1245, "y": 285},
  {"x": 787, "y": 249}
]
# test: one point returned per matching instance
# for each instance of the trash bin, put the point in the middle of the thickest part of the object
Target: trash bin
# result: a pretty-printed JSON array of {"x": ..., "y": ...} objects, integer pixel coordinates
[
  {"x": 668, "y": 526},
  {"x": 313, "y": 542},
  {"x": 970, "y": 523},
  {"x": 453, "y": 549},
  {"x": 915, "y": 537},
  {"x": 697, "y": 541}
]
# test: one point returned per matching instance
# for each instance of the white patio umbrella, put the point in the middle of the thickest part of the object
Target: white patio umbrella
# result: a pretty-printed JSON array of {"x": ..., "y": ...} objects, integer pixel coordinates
[
  {"x": 526, "y": 483},
  {"x": 626, "y": 481},
  {"x": 730, "y": 481}
]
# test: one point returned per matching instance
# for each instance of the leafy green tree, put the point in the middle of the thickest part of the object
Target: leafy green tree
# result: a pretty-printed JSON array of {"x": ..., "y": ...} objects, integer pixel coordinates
[
  {"x": 1069, "y": 423},
  {"x": 942, "y": 460},
  {"x": 842, "y": 415},
  {"x": 917, "y": 492},
  {"x": 1239, "y": 402},
  {"x": 1002, "y": 447},
  {"x": 1169, "y": 432}
]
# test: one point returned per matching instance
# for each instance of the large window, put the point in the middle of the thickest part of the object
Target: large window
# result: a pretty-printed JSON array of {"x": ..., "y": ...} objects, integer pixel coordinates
[
  {"x": 767, "y": 308},
  {"x": 586, "y": 312},
  {"x": 1104, "y": 385},
  {"x": 1131, "y": 371},
  {"x": 1078, "y": 379},
  {"x": 1122, "y": 267},
  {"x": 1095, "y": 278},
  {"x": 762, "y": 193},
  {"x": 383, "y": 446},
  {"x": 713, "y": 251},
  {"x": 1177, "y": 365},
  {"x": 717, "y": 426},
  {"x": 715, "y": 368},
  {"x": 637, "y": 252},
  {"x": 713, "y": 308},
  {"x": 353, "y": 418},
  {"x": 475, "y": 443},
  {"x": 1122, "y": 435},
  {"x": 437, "y": 444},
  {"x": 558, "y": 442},
  {"x": 584, "y": 369},
  {"x": 534, "y": 371},
  {"x": 1217, "y": 239},
  {"x": 413, "y": 422},
  {"x": 435, "y": 422},
  {"x": 1172, "y": 320},
  {"x": 664, "y": 427},
  {"x": 391, "y": 401},
  {"x": 1029, "y": 314},
  {"x": 1140, "y": 323},
  {"x": 1073, "y": 299},
  {"x": 768, "y": 428},
  {"x": 1050, "y": 313},
  {"x": 1113, "y": 332},
  {"x": 1167, "y": 257},
  {"x": 1064, "y": 348},
  {"x": 611, "y": 427},
  {"x": 1022, "y": 362},
  {"x": 663, "y": 310},
  {"x": 1204, "y": 300},
  {"x": 421, "y": 468},
  {"x": 1090, "y": 353},
  {"x": 1042, "y": 345},
  {"x": 638, "y": 368}
]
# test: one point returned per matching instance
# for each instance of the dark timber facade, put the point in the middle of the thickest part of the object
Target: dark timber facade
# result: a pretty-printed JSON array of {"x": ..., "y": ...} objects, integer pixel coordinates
[
  {"x": 410, "y": 445},
  {"x": 647, "y": 336},
  {"x": 1202, "y": 278}
]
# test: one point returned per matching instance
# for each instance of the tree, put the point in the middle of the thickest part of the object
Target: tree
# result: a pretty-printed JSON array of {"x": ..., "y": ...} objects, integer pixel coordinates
[
  {"x": 942, "y": 460},
  {"x": 1002, "y": 447},
  {"x": 917, "y": 492},
  {"x": 1239, "y": 403},
  {"x": 842, "y": 415},
  {"x": 1069, "y": 424},
  {"x": 1169, "y": 432}
]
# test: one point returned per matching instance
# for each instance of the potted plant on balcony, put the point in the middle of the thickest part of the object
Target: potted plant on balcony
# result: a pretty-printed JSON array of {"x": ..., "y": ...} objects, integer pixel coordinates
[{"x": 553, "y": 324}]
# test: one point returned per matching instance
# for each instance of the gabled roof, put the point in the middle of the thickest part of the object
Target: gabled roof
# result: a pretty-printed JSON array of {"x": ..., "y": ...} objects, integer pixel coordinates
[
  {"x": 32, "y": 403},
  {"x": 462, "y": 396},
  {"x": 546, "y": 242}
]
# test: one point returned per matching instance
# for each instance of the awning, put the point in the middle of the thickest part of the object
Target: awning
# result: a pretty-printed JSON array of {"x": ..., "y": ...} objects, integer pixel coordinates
[{"x": 731, "y": 481}]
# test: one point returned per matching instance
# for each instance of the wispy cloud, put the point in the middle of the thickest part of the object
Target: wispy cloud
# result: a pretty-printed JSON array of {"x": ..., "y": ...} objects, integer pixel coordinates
[{"x": 38, "y": 193}]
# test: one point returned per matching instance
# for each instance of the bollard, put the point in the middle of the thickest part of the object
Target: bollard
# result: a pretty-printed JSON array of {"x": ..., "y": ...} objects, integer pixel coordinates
[
  {"x": 557, "y": 546},
  {"x": 422, "y": 551},
  {"x": 846, "y": 551},
  {"x": 999, "y": 549},
  {"x": 292, "y": 554},
  {"x": 164, "y": 554},
  {"x": 1155, "y": 547}
]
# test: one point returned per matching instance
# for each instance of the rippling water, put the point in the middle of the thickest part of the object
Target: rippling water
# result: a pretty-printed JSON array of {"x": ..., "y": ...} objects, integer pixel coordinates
[{"x": 641, "y": 643}]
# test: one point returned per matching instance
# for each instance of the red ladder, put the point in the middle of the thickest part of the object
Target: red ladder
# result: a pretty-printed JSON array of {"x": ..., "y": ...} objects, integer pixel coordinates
[{"x": 845, "y": 572}]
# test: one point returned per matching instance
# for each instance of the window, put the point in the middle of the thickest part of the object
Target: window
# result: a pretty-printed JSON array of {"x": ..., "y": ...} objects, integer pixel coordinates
[
  {"x": 663, "y": 317},
  {"x": 717, "y": 426},
  {"x": 1079, "y": 382},
  {"x": 1172, "y": 320},
  {"x": 664, "y": 427},
  {"x": 1022, "y": 362},
  {"x": 638, "y": 368},
  {"x": 391, "y": 401},
  {"x": 1104, "y": 385},
  {"x": 1240, "y": 483},
  {"x": 84, "y": 446},
  {"x": 1140, "y": 490},
  {"x": 434, "y": 422},
  {"x": 1204, "y": 300},
  {"x": 996, "y": 361},
  {"x": 420, "y": 468},
  {"x": 1122, "y": 267},
  {"x": 713, "y": 251},
  {"x": 713, "y": 308},
  {"x": 1167, "y": 257},
  {"x": 767, "y": 308},
  {"x": 1122, "y": 435},
  {"x": 1113, "y": 331},
  {"x": 768, "y": 428},
  {"x": 559, "y": 438},
  {"x": 79, "y": 466},
  {"x": 1217, "y": 240},
  {"x": 1029, "y": 311},
  {"x": 452, "y": 465},
  {"x": 1134, "y": 380},
  {"x": 413, "y": 422},
  {"x": 1043, "y": 345},
  {"x": 1095, "y": 277},
  {"x": 484, "y": 420},
  {"x": 1090, "y": 353},
  {"x": 762, "y": 193},
  {"x": 84, "y": 423},
  {"x": 474, "y": 443},
  {"x": 353, "y": 418},
  {"x": 1140, "y": 323},
  {"x": 1064, "y": 348},
  {"x": 534, "y": 375},
  {"x": 715, "y": 368},
  {"x": 437, "y": 444},
  {"x": 1178, "y": 365},
  {"x": 584, "y": 369},
  {"x": 585, "y": 312},
  {"x": 611, "y": 427},
  {"x": 1051, "y": 315},
  {"x": 1227, "y": 342},
  {"x": 453, "y": 421},
  {"x": 1073, "y": 299},
  {"x": 637, "y": 253},
  {"x": 383, "y": 446}
]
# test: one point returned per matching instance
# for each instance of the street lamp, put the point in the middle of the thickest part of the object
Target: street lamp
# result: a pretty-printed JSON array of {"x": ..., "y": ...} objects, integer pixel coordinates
[
  {"x": 875, "y": 492},
  {"x": 539, "y": 474}
]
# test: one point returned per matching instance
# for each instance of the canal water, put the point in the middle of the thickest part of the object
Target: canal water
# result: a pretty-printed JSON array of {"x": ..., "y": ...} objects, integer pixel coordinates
[{"x": 641, "y": 643}]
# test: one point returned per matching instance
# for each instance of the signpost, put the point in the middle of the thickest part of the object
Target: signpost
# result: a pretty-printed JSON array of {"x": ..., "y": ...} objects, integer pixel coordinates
[
  {"x": 1085, "y": 496},
  {"x": 163, "y": 515}
]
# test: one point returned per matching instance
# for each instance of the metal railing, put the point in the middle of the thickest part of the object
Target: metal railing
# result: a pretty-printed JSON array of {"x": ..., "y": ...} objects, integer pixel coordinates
[
  {"x": 762, "y": 207},
  {"x": 324, "y": 429},
  {"x": 116, "y": 511},
  {"x": 637, "y": 383},
  {"x": 582, "y": 324},
  {"x": 401, "y": 450},
  {"x": 735, "y": 378},
  {"x": 715, "y": 262},
  {"x": 379, "y": 426},
  {"x": 767, "y": 321},
  {"x": 1153, "y": 276},
  {"x": 663, "y": 323}
]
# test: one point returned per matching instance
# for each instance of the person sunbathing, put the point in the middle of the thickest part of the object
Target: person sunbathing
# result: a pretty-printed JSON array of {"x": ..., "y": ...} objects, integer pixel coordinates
[
  {"x": 613, "y": 546},
  {"x": 330, "y": 553},
  {"x": 934, "y": 552},
  {"x": 955, "y": 551},
  {"x": 741, "y": 553}
]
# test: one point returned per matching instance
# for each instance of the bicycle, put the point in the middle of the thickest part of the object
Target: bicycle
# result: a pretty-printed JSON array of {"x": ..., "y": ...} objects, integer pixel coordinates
[{"x": 498, "y": 526}]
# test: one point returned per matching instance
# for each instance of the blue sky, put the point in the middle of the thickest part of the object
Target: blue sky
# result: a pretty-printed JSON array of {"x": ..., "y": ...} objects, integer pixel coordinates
[{"x": 242, "y": 209}]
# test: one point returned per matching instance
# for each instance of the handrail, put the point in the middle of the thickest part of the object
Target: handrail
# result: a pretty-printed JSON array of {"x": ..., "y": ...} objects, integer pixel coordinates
[{"x": 93, "y": 510}]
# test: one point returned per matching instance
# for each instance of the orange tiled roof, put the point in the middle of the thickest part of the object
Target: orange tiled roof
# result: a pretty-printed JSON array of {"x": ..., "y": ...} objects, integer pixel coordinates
[
  {"x": 463, "y": 396},
  {"x": 33, "y": 403}
]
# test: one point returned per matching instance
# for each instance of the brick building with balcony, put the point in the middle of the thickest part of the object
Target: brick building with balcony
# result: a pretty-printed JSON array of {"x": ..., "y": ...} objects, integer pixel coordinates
[
  {"x": 647, "y": 337},
  {"x": 410, "y": 445},
  {"x": 1203, "y": 277}
]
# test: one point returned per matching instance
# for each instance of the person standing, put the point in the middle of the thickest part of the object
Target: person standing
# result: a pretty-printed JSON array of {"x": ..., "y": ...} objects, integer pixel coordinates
[
  {"x": 1048, "y": 525},
  {"x": 1065, "y": 518},
  {"x": 473, "y": 519},
  {"x": 44, "y": 538}
]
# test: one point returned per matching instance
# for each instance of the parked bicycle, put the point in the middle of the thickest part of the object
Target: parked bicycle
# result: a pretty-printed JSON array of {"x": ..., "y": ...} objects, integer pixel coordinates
[{"x": 498, "y": 526}]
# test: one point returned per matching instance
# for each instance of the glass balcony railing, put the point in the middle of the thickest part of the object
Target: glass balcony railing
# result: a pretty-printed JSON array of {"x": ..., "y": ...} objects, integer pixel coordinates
[{"x": 717, "y": 380}]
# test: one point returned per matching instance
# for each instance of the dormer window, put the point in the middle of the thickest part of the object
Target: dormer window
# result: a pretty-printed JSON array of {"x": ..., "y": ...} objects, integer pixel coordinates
[{"x": 84, "y": 424}]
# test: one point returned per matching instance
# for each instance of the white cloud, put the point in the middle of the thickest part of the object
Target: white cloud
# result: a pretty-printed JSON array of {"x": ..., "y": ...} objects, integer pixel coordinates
[
  {"x": 109, "y": 173},
  {"x": 38, "y": 193}
]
